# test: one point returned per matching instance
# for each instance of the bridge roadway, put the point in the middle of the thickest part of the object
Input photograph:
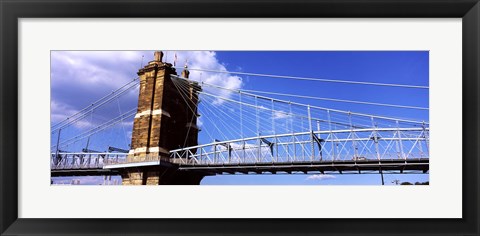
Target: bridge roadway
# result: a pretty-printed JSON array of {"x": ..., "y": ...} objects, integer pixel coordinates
[
  {"x": 83, "y": 172},
  {"x": 416, "y": 165},
  {"x": 420, "y": 165}
]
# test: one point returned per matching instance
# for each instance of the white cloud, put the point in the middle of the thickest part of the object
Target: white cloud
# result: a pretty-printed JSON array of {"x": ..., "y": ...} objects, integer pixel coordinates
[
  {"x": 281, "y": 115},
  {"x": 109, "y": 69},
  {"x": 79, "y": 78},
  {"x": 264, "y": 149},
  {"x": 200, "y": 122},
  {"x": 320, "y": 177},
  {"x": 207, "y": 60},
  {"x": 60, "y": 111}
]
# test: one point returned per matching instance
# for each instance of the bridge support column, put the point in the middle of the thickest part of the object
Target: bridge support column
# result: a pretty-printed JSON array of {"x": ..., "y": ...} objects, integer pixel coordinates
[{"x": 166, "y": 119}]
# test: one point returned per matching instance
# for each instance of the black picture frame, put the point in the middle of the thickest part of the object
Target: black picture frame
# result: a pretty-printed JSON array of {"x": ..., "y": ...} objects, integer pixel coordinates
[{"x": 11, "y": 11}]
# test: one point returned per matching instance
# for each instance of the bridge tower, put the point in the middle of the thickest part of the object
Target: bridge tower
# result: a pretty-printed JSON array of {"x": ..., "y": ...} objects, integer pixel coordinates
[{"x": 165, "y": 120}]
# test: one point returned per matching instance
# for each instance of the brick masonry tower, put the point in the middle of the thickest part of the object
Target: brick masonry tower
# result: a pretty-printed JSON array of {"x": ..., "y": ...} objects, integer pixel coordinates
[{"x": 166, "y": 119}]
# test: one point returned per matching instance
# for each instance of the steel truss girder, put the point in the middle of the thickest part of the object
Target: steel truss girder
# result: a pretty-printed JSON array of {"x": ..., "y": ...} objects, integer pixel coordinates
[{"x": 334, "y": 146}]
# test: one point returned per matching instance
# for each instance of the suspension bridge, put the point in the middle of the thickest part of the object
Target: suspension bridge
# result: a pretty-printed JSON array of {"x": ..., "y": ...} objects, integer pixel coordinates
[{"x": 183, "y": 129}]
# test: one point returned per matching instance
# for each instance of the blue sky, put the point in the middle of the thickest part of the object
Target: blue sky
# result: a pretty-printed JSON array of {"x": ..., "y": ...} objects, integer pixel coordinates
[{"x": 78, "y": 78}]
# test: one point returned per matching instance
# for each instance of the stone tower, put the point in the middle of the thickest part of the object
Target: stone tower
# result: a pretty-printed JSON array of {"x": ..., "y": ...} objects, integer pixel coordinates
[{"x": 166, "y": 119}]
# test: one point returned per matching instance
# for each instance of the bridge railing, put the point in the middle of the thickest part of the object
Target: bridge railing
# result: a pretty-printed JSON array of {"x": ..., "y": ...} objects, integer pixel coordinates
[
  {"x": 328, "y": 146},
  {"x": 62, "y": 160}
]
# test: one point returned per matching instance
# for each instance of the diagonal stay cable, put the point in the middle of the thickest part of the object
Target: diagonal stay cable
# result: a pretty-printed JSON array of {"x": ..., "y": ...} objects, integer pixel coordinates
[
  {"x": 80, "y": 115},
  {"x": 97, "y": 101},
  {"x": 320, "y": 108},
  {"x": 335, "y": 99},
  {"x": 312, "y": 79},
  {"x": 99, "y": 128}
]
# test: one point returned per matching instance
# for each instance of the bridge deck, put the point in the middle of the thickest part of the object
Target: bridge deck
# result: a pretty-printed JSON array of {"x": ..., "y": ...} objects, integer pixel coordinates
[
  {"x": 82, "y": 172},
  {"x": 420, "y": 165}
]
